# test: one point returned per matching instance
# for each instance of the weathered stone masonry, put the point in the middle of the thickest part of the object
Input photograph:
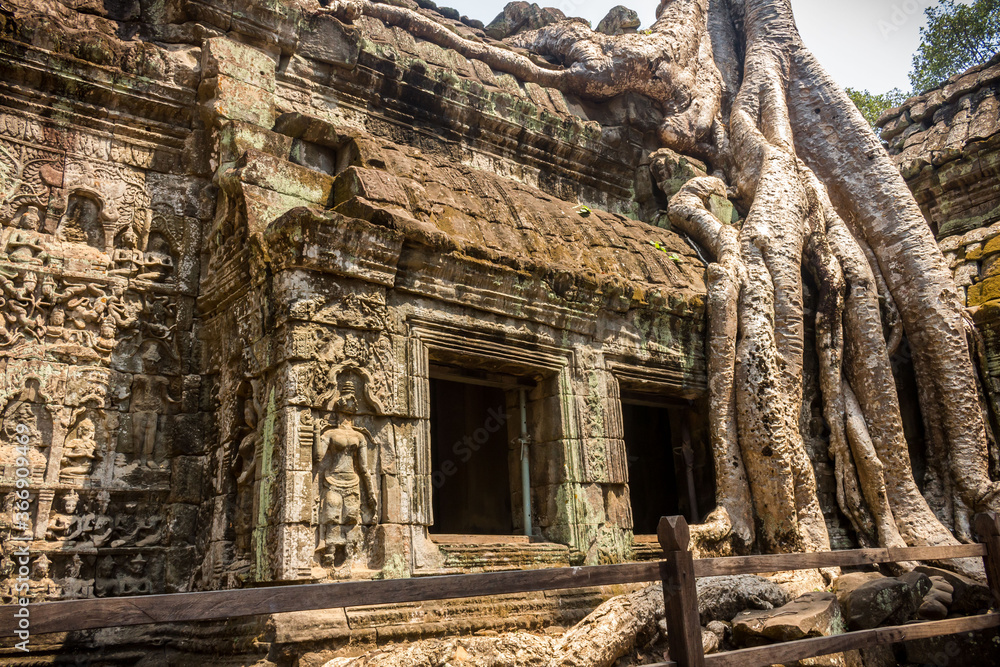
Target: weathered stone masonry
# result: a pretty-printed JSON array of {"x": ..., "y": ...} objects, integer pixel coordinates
[
  {"x": 422, "y": 257},
  {"x": 241, "y": 241},
  {"x": 238, "y": 243}
]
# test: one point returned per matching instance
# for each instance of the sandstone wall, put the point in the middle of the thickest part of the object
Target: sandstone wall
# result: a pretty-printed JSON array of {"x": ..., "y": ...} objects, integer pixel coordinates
[
  {"x": 947, "y": 145},
  {"x": 237, "y": 237}
]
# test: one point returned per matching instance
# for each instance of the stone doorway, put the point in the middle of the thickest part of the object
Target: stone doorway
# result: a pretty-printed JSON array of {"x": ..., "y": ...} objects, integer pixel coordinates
[
  {"x": 652, "y": 475},
  {"x": 667, "y": 459},
  {"x": 471, "y": 491}
]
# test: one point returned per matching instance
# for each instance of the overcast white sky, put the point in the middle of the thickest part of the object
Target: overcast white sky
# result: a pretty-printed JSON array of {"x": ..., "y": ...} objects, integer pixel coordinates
[{"x": 866, "y": 44}]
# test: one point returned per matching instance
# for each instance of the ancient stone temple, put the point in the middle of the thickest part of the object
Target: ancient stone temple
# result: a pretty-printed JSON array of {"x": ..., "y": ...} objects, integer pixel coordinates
[
  {"x": 293, "y": 293},
  {"x": 291, "y": 300}
]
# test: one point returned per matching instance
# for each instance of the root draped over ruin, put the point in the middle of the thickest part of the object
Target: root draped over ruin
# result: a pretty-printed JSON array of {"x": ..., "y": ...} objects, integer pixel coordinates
[
  {"x": 740, "y": 91},
  {"x": 611, "y": 631}
]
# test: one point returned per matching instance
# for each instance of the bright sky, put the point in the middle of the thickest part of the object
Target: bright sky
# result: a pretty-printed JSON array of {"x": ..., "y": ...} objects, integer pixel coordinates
[{"x": 865, "y": 44}]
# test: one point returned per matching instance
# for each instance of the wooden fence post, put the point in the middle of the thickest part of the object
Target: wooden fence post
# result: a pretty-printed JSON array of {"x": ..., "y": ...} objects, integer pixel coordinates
[
  {"x": 680, "y": 595},
  {"x": 987, "y": 525}
]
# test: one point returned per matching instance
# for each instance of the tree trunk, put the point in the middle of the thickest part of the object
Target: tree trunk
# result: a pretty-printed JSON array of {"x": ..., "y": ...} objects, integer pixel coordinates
[{"x": 611, "y": 631}]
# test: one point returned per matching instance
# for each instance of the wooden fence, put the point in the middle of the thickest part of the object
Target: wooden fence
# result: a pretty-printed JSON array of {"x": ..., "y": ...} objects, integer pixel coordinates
[{"x": 678, "y": 571}]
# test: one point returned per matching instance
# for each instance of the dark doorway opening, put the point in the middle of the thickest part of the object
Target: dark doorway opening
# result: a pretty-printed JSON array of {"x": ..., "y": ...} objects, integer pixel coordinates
[
  {"x": 909, "y": 410},
  {"x": 652, "y": 473},
  {"x": 469, "y": 459},
  {"x": 670, "y": 463}
]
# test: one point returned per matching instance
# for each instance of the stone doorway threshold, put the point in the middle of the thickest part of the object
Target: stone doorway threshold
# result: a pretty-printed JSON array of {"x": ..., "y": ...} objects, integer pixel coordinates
[
  {"x": 491, "y": 553},
  {"x": 646, "y": 548}
]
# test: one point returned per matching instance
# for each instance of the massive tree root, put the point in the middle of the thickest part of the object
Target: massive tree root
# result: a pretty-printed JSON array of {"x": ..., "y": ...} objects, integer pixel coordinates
[
  {"x": 613, "y": 630},
  {"x": 740, "y": 91}
]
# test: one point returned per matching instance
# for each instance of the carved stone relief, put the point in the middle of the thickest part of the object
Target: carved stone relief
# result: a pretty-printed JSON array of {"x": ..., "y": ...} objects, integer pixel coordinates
[
  {"x": 91, "y": 312},
  {"x": 347, "y": 494},
  {"x": 244, "y": 464}
]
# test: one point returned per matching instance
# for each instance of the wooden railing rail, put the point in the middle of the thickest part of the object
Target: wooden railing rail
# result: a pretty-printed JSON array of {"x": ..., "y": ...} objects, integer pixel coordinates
[
  {"x": 684, "y": 627},
  {"x": 678, "y": 571}
]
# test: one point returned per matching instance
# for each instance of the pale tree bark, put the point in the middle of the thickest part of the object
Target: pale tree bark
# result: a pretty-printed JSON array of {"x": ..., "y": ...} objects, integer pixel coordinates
[
  {"x": 608, "y": 633},
  {"x": 740, "y": 91}
]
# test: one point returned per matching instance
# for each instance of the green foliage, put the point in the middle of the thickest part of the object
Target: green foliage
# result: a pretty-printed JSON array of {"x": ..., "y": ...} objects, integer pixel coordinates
[
  {"x": 666, "y": 251},
  {"x": 872, "y": 106},
  {"x": 957, "y": 36}
]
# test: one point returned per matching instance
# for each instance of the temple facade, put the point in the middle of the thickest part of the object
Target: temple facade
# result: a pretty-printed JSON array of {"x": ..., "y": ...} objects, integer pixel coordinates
[{"x": 287, "y": 300}]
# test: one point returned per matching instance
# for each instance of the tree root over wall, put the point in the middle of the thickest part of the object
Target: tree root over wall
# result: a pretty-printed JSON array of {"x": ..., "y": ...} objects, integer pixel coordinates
[
  {"x": 741, "y": 92},
  {"x": 611, "y": 631}
]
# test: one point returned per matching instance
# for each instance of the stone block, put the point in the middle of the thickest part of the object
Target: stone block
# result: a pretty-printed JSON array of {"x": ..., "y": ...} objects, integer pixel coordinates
[
  {"x": 98, "y": 387},
  {"x": 392, "y": 553},
  {"x": 596, "y": 466},
  {"x": 992, "y": 246},
  {"x": 984, "y": 291},
  {"x": 177, "y": 570},
  {"x": 990, "y": 267},
  {"x": 672, "y": 170},
  {"x": 551, "y": 504},
  {"x": 951, "y": 243},
  {"x": 590, "y": 504},
  {"x": 484, "y": 72},
  {"x": 371, "y": 184},
  {"x": 237, "y": 137},
  {"x": 284, "y": 177},
  {"x": 392, "y": 500},
  {"x": 232, "y": 99},
  {"x": 182, "y": 196},
  {"x": 187, "y": 479},
  {"x": 558, "y": 101},
  {"x": 296, "y": 498},
  {"x": 870, "y": 601},
  {"x": 292, "y": 552},
  {"x": 618, "y": 508},
  {"x": 416, "y": 492},
  {"x": 269, "y": 21},
  {"x": 814, "y": 614},
  {"x": 188, "y": 434},
  {"x": 966, "y": 273},
  {"x": 308, "y": 626},
  {"x": 551, "y": 419},
  {"x": 318, "y": 131},
  {"x": 221, "y": 529},
  {"x": 197, "y": 156},
  {"x": 983, "y": 123},
  {"x": 538, "y": 95},
  {"x": 722, "y": 598},
  {"x": 329, "y": 41},
  {"x": 224, "y": 57},
  {"x": 264, "y": 206},
  {"x": 549, "y": 463},
  {"x": 182, "y": 524}
]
